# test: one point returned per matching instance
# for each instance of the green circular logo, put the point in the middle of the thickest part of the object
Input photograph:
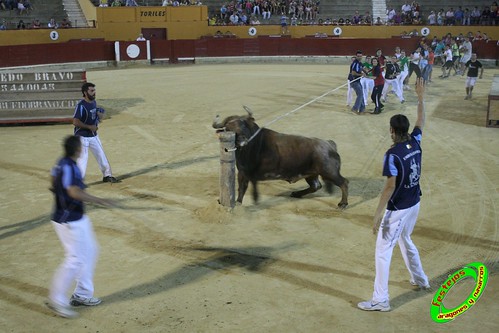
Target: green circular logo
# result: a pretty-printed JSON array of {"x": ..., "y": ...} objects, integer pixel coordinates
[{"x": 475, "y": 270}]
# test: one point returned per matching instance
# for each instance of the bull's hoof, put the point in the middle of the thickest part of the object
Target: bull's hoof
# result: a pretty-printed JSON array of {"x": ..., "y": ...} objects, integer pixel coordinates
[{"x": 342, "y": 205}]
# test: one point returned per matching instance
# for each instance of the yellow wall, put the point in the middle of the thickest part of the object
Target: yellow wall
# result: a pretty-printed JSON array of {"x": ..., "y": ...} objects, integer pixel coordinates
[{"x": 125, "y": 23}]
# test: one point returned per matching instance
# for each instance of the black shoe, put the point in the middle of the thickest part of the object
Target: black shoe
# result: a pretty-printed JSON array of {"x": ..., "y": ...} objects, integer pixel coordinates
[
  {"x": 110, "y": 179},
  {"x": 376, "y": 111}
]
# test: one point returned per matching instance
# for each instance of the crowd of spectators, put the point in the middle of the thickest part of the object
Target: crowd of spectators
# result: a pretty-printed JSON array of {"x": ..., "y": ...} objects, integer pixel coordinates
[
  {"x": 254, "y": 12},
  {"x": 35, "y": 24},
  {"x": 298, "y": 12},
  {"x": 412, "y": 14}
]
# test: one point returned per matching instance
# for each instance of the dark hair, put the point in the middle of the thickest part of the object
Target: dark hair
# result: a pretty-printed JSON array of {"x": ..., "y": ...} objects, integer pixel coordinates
[
  {"x": 71, "y": 145},
  {"x": 400, "y": 125},
  {"x": 358, "y": 52},
  {"x": 85, "y": 86}
]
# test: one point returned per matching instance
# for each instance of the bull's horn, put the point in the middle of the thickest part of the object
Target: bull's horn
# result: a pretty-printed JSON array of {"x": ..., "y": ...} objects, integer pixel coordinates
[
  {"x": 248, "y": 110},
  {"x": 217, "y": 123}
]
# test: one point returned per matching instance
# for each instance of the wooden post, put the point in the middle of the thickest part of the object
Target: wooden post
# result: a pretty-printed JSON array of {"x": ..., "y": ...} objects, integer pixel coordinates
[{"x": 227, "y": 168}]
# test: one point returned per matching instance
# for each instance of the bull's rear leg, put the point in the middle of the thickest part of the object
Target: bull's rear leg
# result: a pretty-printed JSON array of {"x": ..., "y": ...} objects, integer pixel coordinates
[
  {"x": 315, "y": 185},
  {"x": 344, "y": 194}
]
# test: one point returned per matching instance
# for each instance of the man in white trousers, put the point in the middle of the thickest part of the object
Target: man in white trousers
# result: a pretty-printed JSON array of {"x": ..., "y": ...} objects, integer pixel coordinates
[
  {"x": 86, "y": 120},
  {"x": 398, "y": 206},
  {"x": 74, "y": 229},
  {"x": 392, "y": 71},
  {"x": 404, "y": 69}
]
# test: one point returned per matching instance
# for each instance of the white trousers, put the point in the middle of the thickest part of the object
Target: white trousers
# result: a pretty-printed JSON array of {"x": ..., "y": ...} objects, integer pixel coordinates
[
  {"x": 397, "y": 226},
  {"x": 394, "y": 84},
  {"x": 81, "y": 252},
  {"x": 349, "y": 94},
  {"x": 402, "y": 77},
  {"x": 367, "y": 88},
  {"x": 95, "y": 146}
]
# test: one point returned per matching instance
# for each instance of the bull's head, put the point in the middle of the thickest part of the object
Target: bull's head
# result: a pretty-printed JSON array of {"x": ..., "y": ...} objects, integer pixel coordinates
[{"x": 242, "y": 126}]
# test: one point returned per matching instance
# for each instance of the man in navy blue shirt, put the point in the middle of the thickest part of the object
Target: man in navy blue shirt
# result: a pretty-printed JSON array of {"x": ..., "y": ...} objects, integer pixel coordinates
[
  {"x": 86, "y": 121},
  {"x": 398, "y": 206},
  {"x": 75, "y": 232},
  {"x": 354, "y": 76}
]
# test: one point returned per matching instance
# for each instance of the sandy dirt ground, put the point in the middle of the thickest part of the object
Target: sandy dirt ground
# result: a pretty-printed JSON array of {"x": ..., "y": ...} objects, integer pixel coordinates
[{"x": 176, "y": 261}]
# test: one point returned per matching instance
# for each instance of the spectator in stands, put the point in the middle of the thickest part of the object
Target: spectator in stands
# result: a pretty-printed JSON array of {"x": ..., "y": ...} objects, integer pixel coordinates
[
  {"x": 458, "y": 16},
  {"x": 356, "y": 18},
  {"x": 256, "y": 9},
  {"x": 103, "y": 3},
  {"x": 266, "y": 11},
  {"x": 254, "y": 20},
  {"x": 52, "y": 24},
  {"x": 141, "y": 38},
  {"x": 368, "y": 18},
  {"x": 378, "y": 21},
  {"x": 21, "y": 8},
  {"x": 440, "y": 17},
  {"x": 131, "y": 3},
  {"x": 234, "y": 19},
  {"x": 406, "y": 9},
  {"x": 116, "y": 3},
  {"x": 466, "y": 17},
  {"x": 416, "y": 18},
  {"x": 390, "y": 15},
  {"x": 475, "y": 16},
  {"x": 36, "y": 24},
  {"x": 243, "y": 19},
  {"x": 2, "y": 5},
  {"x": 21, "y": 25},
  {"x": 65, "y": 24},
  {"x": 3, "y": 26},
  {"x": 432, "y": 18},
  {"x": 449, "y": 17},
  {"x": 485, "y": 18},
  {"x": 494, "y": 13}
]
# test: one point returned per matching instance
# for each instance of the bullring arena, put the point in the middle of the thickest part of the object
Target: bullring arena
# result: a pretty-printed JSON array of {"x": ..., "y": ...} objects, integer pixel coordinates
[
  {"x": 172, "y": 259},
  {"x": 177, "y": 261}
]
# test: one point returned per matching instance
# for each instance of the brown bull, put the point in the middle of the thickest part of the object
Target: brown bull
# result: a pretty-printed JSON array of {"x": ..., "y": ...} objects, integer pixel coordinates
[{"x": 271, "y": 155}]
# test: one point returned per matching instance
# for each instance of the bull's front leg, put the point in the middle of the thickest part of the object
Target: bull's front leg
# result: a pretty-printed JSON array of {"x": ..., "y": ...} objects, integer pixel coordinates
[{"x": 242, "y": 183}]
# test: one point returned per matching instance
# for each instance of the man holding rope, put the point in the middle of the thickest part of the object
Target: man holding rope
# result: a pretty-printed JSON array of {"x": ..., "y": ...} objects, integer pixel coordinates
[
  {"x": 354, "y": 76},
  {"x": 398, "y": 206},
  {"x": 74, "y": 229}
]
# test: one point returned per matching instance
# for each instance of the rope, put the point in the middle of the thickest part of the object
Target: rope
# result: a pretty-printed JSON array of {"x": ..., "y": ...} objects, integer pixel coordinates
[{"x": 293, "y": 111}]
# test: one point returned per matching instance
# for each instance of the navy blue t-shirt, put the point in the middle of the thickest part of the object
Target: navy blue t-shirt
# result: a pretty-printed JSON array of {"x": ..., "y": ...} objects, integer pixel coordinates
[
  {"x": 87, "y": 113},
  {"x": 403, "y": 161},
  {"x": 357, "y": 67},
  {"x": 66, "y": 174}
]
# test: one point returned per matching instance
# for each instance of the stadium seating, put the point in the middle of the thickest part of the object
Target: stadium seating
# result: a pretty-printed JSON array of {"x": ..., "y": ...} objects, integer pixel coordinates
[{"x": 43, "y": 10}]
